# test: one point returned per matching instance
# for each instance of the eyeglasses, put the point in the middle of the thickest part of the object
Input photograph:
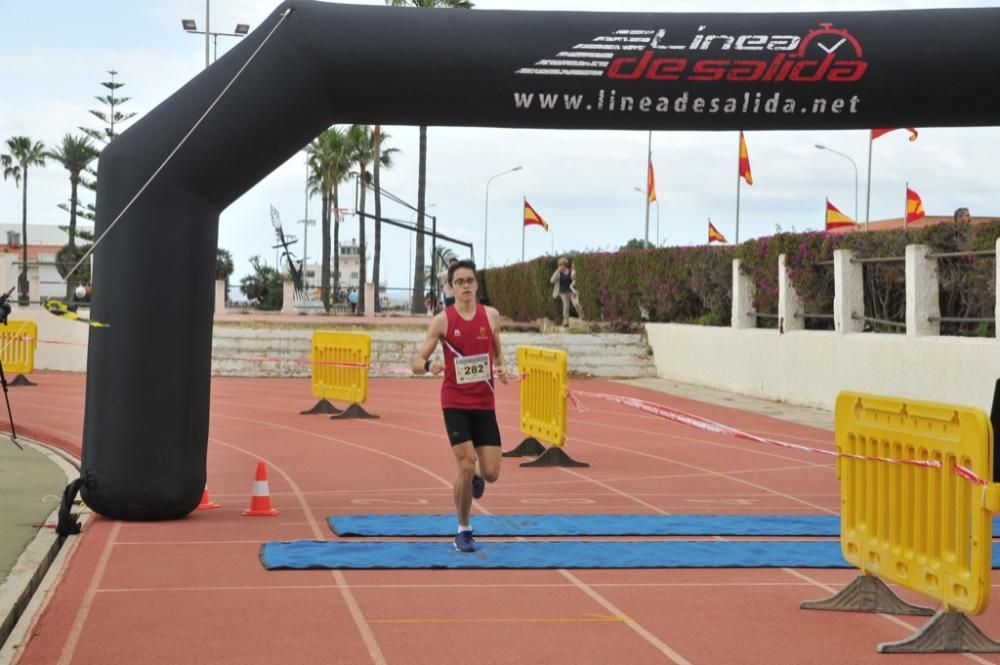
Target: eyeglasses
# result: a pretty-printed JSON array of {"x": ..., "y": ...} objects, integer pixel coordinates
[{"x": 465, "y": 281}]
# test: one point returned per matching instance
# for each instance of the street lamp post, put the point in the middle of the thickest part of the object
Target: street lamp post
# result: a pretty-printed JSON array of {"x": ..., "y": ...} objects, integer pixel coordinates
[
  {"x": 306, "y": 223},
  {"x": 486, "y": 211},
  {"x": 191, "y": 27},
  {"x": 409, "y": 262},
  {"x": 820, "y": 146}
]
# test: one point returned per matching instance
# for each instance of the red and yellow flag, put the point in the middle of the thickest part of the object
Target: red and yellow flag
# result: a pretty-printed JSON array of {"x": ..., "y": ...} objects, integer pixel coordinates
[
  {"x": 714, "y": 235},
  {"x": 532, "y": 217},
  {"x": 914, "y": 206},
  {"x": 745, "y": 161},
  {"x": 651, "y": 183},
  {"x": 879, "y": 132},
  {"x": 836, "y": 219}
]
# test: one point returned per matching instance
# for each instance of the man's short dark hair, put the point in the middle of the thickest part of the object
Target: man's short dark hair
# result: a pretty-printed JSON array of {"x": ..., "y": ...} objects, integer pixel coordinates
[
  {"x": 464, "y": 263},
  {"x": 959, "y": 211}
]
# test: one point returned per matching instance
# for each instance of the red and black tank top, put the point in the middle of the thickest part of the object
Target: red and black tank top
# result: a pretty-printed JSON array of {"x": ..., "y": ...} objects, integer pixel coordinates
[{"x": 468, "y": 361}]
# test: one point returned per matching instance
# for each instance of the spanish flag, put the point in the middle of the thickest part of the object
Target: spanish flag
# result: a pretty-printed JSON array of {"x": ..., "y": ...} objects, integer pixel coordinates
[
  {"x": 745, "y": 161},
  {"x": 651, "y": 183},
  {"x": 714, "y": 235},
  {"x": 836, "y": 219},
  {"x": 532, "y": 217},
  {"x": 879, "y": 132},
  {"x": 914, "y": 206}
]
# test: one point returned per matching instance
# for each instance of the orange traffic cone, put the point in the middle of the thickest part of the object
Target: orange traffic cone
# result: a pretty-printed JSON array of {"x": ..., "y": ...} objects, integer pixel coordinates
[
  {"x": 206, "y": 503},
  {"x": 260, "y": 502}
]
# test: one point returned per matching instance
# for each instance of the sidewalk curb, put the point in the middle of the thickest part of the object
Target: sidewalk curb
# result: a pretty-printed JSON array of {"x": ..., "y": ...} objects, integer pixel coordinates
[{"x": 20, "y": 596}]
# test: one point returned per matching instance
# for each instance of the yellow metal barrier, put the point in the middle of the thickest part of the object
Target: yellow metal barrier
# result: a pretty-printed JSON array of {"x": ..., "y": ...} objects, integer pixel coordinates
[
  {"x": 922, "y": 527},
  {"x": 543, "y": 393},
  {"x": 18, "y": 340},
  {"x": 340, "y": 365},
  {"x": 916, "y": 499}
]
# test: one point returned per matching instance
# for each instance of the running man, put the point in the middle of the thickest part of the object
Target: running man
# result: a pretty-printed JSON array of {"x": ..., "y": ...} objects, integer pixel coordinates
[{"x": 470, "y": 338}]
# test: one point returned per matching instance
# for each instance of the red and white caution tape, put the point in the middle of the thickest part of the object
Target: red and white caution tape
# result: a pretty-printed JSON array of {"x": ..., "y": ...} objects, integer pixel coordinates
[
  {"x": 717, "y": 428},
  {"x": 970, "y": 475}
]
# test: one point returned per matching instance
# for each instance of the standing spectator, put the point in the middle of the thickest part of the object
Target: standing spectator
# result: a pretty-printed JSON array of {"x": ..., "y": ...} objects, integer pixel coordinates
[
  {"x": 562, "y": 280},
  {"x": 352, "y": 297},
  {"x": 446, "y": 290},
  {"x": 962, "y": 215}
]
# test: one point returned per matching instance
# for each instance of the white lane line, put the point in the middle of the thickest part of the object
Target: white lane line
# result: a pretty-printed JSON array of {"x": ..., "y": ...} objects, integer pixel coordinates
[
  {"x": 76, "y": 630},
  {"x": 362, "y": 625}
]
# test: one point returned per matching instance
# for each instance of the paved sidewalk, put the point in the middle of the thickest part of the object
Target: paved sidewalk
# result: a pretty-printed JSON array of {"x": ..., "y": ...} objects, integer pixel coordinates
[
  {"x": 803, "y": 415},
  {"x": 32, "y": 482}
]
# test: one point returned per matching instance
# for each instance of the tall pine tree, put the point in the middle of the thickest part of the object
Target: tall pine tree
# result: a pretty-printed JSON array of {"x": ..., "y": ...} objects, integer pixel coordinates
[{"x": 112, "y": 119}]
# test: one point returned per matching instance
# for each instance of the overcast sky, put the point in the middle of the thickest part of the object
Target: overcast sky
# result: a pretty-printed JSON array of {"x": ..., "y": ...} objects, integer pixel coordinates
[{"x": 55, "y": 54}]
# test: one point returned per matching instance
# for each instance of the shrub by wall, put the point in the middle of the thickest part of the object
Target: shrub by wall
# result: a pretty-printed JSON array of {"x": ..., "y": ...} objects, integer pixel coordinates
[{"x": 694, "y": 284}]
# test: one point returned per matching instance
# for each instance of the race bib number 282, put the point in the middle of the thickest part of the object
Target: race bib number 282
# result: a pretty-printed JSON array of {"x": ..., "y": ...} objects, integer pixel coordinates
[{"x": 472, "y": 369}]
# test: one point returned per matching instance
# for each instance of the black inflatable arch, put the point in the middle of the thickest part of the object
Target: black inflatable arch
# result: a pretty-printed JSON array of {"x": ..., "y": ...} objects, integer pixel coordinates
[{"x": 312, "y": 64}]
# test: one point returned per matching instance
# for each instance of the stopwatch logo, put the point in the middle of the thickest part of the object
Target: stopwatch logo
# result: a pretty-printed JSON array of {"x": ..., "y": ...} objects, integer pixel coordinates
[{"x": 825, "y": 53}]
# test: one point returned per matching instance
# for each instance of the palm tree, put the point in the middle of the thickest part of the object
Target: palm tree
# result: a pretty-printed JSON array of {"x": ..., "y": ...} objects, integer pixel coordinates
[
  {"x": 386, "y": 159},
  {"x": 329, "y": 164},
  {"x": 361, "y": 139},
  {"x": 439, "y": 264},
  {"x": 74, "y": 154},
  {"x": 23, "y": 154},
  {"x": 417, "y": 303}
]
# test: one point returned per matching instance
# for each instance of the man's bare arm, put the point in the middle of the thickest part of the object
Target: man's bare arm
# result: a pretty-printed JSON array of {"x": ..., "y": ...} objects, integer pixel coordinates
[
  {"x": 435, "y": 331},
  {"x": 498, "y": 361}
]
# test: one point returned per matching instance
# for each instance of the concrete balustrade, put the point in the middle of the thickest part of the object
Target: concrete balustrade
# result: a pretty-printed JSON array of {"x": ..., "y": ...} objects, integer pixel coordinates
[
  {"x": 743, "y": 314},
  {"x": 790, "y": 314},
  {"x": 922, "y": 297},
  {"x": 848, "y": 293},
  {"x": 810, "y": 367}
]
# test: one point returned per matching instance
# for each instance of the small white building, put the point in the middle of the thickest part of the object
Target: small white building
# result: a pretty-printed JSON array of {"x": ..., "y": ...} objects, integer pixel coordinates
[
  {"x": 44, "y": 243},
  {"x": 350, "y": 269}
]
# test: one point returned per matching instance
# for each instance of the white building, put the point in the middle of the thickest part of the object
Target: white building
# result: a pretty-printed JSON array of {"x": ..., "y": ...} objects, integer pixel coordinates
[
  {"x": 44, "y": 242},
  {"x": 350, "y": 269}
]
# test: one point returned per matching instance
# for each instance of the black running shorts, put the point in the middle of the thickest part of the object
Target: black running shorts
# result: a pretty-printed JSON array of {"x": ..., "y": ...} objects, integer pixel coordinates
[{"x": 476, "y": 425}]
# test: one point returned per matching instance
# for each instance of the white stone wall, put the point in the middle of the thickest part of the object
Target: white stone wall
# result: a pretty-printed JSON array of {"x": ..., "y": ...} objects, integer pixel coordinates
[{"x": 811, "y": 367}]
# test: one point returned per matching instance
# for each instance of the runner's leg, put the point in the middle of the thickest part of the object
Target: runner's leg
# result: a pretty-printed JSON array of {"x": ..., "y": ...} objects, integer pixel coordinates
[{"x": 465, "y": 462}]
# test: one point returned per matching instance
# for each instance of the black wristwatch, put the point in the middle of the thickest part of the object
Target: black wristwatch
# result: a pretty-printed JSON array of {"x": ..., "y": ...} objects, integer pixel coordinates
[{"x": 427, "y": 365}]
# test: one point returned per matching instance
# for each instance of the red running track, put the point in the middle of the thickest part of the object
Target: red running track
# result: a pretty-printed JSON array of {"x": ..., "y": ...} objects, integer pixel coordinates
[{"x": 193, "y": 590}]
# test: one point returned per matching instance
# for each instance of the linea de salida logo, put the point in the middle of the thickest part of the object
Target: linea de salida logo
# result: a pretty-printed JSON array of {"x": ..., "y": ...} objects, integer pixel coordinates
[{"x": 823, "y": 54}]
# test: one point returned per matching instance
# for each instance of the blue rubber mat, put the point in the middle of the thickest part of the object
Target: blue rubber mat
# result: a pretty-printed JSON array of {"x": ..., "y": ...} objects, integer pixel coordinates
[
  {"x": 311, "y": 554},
  {"x": 415, "y": 526}
]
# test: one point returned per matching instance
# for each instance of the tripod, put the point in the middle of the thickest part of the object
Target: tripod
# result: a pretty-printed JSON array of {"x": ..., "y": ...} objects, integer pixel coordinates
[{"x": 4, "y": 313}]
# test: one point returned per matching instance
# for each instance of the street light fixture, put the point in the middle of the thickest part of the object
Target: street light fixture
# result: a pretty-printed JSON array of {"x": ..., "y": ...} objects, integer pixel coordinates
[
  {"x": 820, "y": 146},
  {"x": 486, "y": 212},
  {"x": 409, "y": 263},
  {"x": 191, "y": 27},
  {"x": 306, "y": 223}
]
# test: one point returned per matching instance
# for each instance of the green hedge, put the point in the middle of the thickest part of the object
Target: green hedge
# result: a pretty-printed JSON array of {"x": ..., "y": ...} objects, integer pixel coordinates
[
  {"x": 685, "y": 284},
  {"x": 694, "y": 284}
]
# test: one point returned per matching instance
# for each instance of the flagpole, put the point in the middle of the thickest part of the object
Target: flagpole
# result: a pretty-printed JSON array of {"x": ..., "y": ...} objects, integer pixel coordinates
[
  {"x": 522, "y": 228},
  {"x": 649, "y": 164},
  {"x": 738, "y": 178},
  {"x": 906, "y": 202},
  {"x": 826, "y": 212},
  {"x": 868, "y": 195}
]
